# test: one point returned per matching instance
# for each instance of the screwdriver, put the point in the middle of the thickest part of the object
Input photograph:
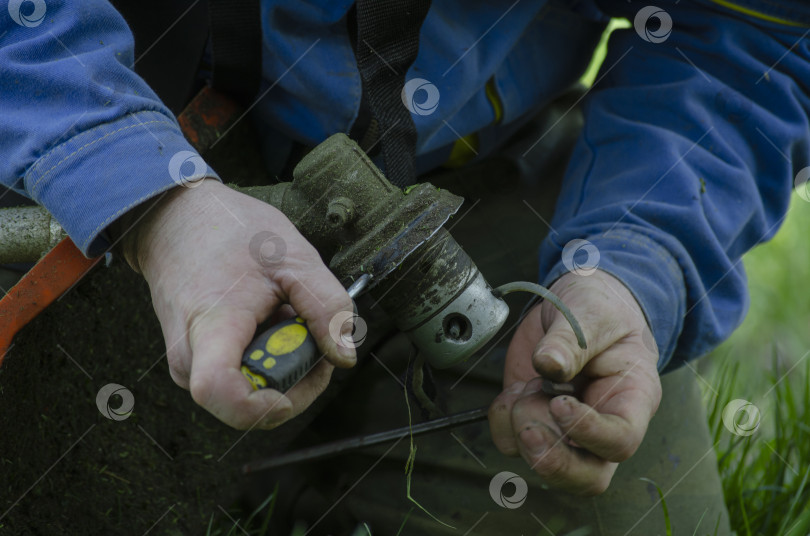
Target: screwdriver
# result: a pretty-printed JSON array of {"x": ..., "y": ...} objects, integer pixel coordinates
[
  {"x": 346, "y": 445},
  {"x": 283, "y": 354}
]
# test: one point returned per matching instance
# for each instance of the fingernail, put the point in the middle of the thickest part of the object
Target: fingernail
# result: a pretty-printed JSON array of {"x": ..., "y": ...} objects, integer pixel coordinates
[
  {"x": 553, "y": 362},
  {"x": 270, "y": 423},
  {"x": 279, "y": 411}
]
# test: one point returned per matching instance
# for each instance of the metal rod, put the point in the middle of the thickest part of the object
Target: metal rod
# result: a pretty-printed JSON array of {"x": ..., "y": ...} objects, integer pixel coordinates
[
  {"x": 27, "y": 233},
  {"x": 358, "y": 286},
  {"x": 337, "y": 447}
]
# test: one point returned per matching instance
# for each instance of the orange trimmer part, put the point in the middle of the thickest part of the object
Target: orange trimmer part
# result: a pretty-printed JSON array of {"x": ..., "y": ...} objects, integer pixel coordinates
[{"x": 51, "y": 277}]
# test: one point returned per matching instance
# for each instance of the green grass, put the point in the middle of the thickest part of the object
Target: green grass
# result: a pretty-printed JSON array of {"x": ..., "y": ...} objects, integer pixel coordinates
[
  {"x": 256, "y": 524},
  {"x": 765, "y": 475}
]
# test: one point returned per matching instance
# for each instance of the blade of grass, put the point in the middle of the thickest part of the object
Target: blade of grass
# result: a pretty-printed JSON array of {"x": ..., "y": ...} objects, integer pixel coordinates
[
  {"x": 270, "y": 510},
  {"x": 797, "y": 497},
  {"x": 405, "y": 520},
  {"x": 210, "y": 524},
  {"x": 801, "y": 525},
  {"x": 409, "y": 469},
  {"x": 667, "y": 522},
  {"x": 700, "y": 521},
  {"x": 261, "y": 507},
  {"x": 745, "y": 518}
]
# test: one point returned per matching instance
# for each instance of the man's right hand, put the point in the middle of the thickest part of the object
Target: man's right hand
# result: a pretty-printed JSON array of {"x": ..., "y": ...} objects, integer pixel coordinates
[{"x": 213, "y": 278}]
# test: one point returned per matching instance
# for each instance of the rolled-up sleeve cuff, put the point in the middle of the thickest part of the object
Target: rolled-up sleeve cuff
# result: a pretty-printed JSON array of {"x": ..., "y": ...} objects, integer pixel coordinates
[
  {"x": 646, "y": 268},
  {"x": 93, "y": 178}
]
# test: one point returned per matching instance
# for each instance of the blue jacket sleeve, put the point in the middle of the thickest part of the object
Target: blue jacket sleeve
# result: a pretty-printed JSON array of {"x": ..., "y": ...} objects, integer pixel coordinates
[
  {"x": 686, "y": 161},
  {"x": 80, "y": 132}
]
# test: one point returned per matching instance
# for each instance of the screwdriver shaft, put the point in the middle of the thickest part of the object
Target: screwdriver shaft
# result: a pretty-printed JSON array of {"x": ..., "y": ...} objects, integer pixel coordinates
[{"x": 336, "y": 447}]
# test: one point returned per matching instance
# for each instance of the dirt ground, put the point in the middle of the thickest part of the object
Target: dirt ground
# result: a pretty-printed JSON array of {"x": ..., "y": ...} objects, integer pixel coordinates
[{"x": 67, "y": 469}]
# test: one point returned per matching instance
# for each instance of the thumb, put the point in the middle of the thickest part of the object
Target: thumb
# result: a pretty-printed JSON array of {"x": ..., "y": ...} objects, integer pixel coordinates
[
  {"x": 319, "y": 298},
  {"x": 607, "y": 313},
  {"x": 558, "y": 355}
]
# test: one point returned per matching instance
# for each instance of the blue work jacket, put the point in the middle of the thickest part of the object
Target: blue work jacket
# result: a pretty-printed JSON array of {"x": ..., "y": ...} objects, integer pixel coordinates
[{"x": 694, "y": 133}]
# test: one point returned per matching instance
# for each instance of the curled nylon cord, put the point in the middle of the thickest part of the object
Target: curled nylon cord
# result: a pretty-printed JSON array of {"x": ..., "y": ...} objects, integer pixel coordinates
[{"x": 546, "y": 294}]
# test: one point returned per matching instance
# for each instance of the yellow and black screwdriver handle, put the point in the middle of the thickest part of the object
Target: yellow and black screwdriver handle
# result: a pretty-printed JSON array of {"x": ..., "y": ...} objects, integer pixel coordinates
[
  {"x": 283, "y": 354},
  {"x": 280, "y": 356}
]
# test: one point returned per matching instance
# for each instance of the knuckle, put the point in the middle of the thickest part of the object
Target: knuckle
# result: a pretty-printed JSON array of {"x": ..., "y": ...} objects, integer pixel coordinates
[
  {"x": 615, "y": 327},
  {"x": 597, "y": 487},
  {"x": 551, "y": 466},
  {"x": 179, "y": 372},
  {"x": 201, "y": 389},
  {"x": 337, "y": 301},
  {"x": 623, "y": 451}
]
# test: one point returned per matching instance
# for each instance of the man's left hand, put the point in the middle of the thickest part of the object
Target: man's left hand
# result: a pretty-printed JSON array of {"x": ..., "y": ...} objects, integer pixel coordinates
[{"x": 575, "y": 443}]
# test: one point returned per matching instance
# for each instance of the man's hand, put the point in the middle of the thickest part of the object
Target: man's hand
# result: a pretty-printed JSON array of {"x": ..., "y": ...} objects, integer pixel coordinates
[
  {"x": 575, "y": 444},
  {"x": 212, "y": 282}
]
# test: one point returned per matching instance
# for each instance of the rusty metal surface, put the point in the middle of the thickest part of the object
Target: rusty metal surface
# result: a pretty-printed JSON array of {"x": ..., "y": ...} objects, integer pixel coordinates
[{"x": 207, "y": 117}]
